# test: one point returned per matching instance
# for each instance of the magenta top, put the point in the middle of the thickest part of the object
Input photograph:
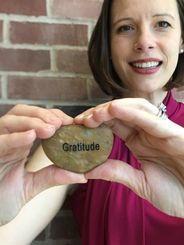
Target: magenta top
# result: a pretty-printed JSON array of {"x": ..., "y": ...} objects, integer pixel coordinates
[{"x": 109, "y": 213}]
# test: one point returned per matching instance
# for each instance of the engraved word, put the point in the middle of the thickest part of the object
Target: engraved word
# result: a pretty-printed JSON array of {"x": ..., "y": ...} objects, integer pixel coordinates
[{"x": 81, "y": 147}]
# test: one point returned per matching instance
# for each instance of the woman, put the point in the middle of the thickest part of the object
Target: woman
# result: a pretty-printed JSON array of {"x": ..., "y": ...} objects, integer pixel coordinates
[
  {"x": 141, "y": 57},
  {"x": 143, "y": 201}
]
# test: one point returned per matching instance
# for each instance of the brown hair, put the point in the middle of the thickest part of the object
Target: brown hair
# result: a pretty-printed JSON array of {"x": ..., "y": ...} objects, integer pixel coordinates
[{"x": 100, "y": 61}]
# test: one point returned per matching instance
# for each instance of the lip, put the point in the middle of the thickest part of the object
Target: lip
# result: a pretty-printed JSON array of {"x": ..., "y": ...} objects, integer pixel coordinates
[{"x": 146, "y": 66}]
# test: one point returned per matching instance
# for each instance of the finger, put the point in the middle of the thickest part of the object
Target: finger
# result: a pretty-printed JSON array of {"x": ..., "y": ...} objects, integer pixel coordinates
[
  {"x": 89, "y": 118},
  {"x": 16, "y": 140},
  {"x": 132, "y": 112},
  {"x": 111, "y": 114},
  {"x": 118, "y": 171},
  {"x": 65, "y": 118},
  {"x": 93, "y": 117},
  {"x": 48, "y": 177},
  {"x": 142, "y": 115},
  {"x": 120, "y": 128},
  {"x": 11, "y": 123},
  {"x": 136, "y": 103},
  {"x": 113, "y": 109},
  {"x": 151, "y": 124},
  {"x": 36, "y": 112}
]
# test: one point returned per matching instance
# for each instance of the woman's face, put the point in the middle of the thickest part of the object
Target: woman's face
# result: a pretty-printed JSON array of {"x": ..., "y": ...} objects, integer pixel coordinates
[{"x": 145, "y": 42}]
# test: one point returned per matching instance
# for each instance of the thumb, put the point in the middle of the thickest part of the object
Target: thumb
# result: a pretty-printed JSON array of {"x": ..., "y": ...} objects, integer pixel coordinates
[
  {"x": 121, "y": 172},
  {"x": 50, "y": 176}
]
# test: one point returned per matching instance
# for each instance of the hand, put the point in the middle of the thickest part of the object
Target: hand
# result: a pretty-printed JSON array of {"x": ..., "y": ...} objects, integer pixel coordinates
[
  {"x": 157, "y": 144},
  {"x": 18, "y": 130}
]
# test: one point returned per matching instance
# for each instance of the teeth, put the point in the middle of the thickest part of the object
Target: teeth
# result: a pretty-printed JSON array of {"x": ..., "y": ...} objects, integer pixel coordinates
[{"x": 146, "y": 64}]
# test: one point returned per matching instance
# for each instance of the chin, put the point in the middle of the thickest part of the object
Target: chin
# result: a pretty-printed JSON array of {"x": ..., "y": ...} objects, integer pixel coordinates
[{"x": 147, "y": 90}]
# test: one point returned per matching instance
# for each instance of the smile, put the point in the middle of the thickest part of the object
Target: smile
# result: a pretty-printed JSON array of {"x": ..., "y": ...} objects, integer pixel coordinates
[
  {"x": 143, "y": 65},
  {"x": 146, "y": 66}
]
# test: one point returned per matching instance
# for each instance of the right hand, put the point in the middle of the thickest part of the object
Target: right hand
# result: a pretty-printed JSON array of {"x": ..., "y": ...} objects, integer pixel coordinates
[{"x": 157, "y": 144}]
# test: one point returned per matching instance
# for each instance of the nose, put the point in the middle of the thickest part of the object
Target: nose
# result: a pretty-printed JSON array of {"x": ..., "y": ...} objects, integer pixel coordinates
[{"x": 145, "y": 40}]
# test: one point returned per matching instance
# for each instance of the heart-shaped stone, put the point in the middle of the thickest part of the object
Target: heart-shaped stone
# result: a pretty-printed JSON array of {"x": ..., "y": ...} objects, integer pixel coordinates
[{"x": 78, "y": 148}]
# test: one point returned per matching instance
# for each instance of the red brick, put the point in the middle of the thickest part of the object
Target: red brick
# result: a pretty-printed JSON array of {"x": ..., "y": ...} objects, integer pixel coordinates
[
  {"x": 73, "y": 61},
  {"x": 86, "y": 9},
  {"x": 95, "y": 91},
  {"x": 42, "y": 33},
  {"x": 24, "y": 60},
  {"x": 44, "y": 88},
  {"x": 23, "y": 7}
]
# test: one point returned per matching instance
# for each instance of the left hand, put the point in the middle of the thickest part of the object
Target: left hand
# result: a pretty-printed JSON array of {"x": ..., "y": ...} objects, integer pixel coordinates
[
  {"x": 157, "y": 144},
  {"x": 18, "y": 130}
]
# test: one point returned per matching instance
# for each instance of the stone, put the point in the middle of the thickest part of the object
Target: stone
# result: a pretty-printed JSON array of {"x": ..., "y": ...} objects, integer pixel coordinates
[{"x": 78, "y": 148}]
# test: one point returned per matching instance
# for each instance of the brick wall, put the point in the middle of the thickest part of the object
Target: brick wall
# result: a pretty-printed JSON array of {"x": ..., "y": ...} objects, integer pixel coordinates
[
  {"x": 43, "y": 61},
  {"x": 43, "y": 53}
]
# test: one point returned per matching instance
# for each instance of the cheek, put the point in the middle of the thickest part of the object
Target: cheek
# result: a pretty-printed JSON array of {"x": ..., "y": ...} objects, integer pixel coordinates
[
  {"x": 173, "y": 54},
  {"x": 119, "y": 53},
  {"x": 114, "y": 50},
  {"x": 170, "y": 50},
  {"x": 173, "y": 46},
  {"x": 119, "y": 47},
  {"x": 118, "y": 63}
]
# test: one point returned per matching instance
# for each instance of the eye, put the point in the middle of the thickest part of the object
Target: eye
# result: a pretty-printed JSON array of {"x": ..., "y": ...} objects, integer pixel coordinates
[
  {"x": 125, "y": 29},
  {"x": 163, "y": 24}
]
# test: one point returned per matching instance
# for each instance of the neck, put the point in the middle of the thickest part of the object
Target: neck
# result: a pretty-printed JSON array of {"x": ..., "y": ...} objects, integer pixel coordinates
[{"x": 155, "y": 97}]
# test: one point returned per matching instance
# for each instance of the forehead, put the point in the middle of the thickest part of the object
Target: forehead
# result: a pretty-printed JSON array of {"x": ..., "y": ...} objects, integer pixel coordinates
[{"x": 129, "y": 8}]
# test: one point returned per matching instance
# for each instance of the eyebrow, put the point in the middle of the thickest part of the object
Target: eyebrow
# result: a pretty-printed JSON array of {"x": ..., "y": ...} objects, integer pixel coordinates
[
  {"x": 121, "y": 19},
  {"x": 164, "y": 14},
  {"x": 156, "y": 15}
]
